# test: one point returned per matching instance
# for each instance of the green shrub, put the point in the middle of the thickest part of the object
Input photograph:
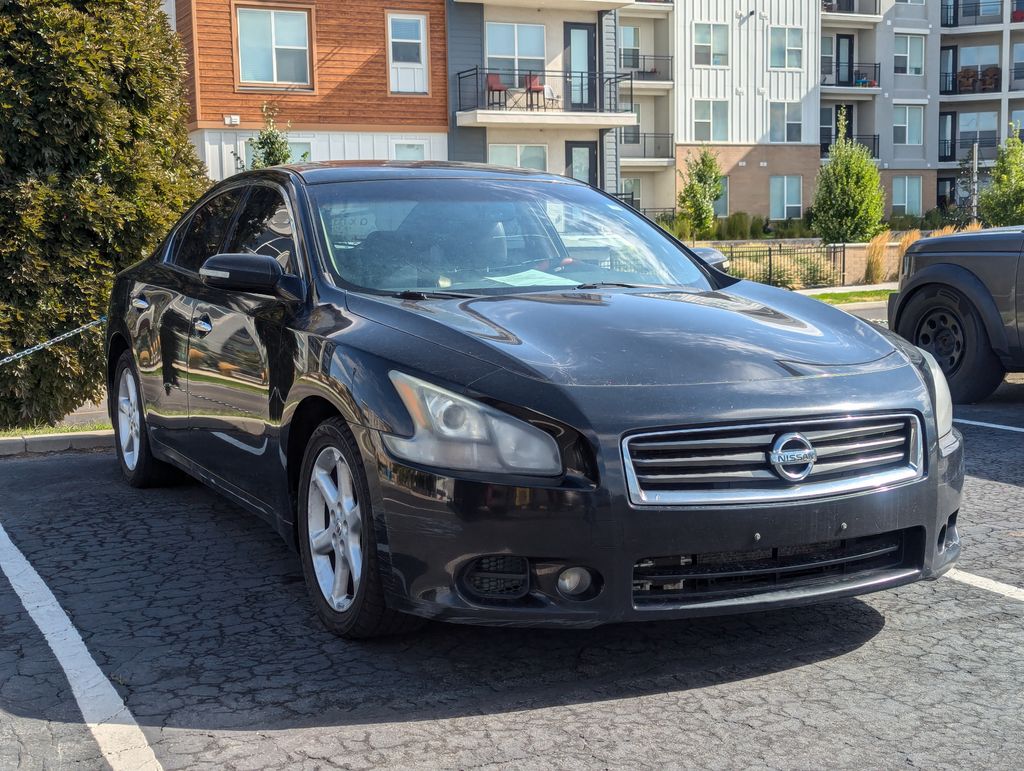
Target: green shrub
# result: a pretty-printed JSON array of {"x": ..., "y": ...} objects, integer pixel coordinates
[
  {"x": 95, "y": 165},
  {"x": 1002, "y": 202},
  {"x": 737, "y": 226},
  {"x": 757, "y": 224}
]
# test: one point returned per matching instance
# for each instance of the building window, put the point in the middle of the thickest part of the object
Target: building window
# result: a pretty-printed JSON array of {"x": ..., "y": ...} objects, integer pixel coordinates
[
  {"x": 711, "y": 45},
  {"x": 911, "y": 2},
  {"x": 786, "y": 48},
  {"x": 909, "y": 58},
  {"x": 630, "y": 188},
  {"x": 301, "y": 152},
  {"x": 785, "y": 196},
  {"x": 722, "y": 202},
  {"x": 515, "y": 48},
  {"x": 828, "y": 54},
  {"x": 273, "y": 46},
  {"x": 407, "y": 53},
  {"x": 522, "y": 156},
  {"x": 786, "y": 121},
  {"x": 906, "y": 196},
  {"x": 408, "y": 151},
  {"x": 710, "y": 121},
  {"x": 908, "y": 123},
  {"x": 630, "y": 47}
]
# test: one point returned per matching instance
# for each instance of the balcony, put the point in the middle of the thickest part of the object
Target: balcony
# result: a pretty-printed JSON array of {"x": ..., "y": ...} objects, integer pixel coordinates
[
  {"x": 863, "y": 14},
  {"x": 1017, "y": 77},
  {"x": 556, "y": 5},
  {"x": 850, "y": 74},
  {"x": 981, "y": 79},
  {"x": 959, "y": 14},
  {"x": 544, "y": 99},
  {"x": 651, "y": 74},
  {"x": 648, "y": 8},
  {"x": 961, "y": 149},
  {"x": 870, "y": 141},
  {"x": 639, "y": 149}
]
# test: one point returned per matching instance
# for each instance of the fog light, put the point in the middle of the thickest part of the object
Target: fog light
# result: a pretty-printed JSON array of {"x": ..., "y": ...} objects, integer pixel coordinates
[{"x": 573, "y": 581}]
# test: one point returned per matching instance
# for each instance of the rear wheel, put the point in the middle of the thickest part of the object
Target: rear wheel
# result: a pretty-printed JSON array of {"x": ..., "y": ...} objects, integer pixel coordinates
[
  {"x": 947, "y": 325},
  {"x": 336, "y": 539},
  {"x": 138, "y": 465}
]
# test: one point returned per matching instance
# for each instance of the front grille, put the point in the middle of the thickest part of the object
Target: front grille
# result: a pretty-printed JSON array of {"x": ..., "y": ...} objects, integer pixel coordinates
[
  {"x": 733, "y": 464},
  {"x": 498, "y": 578},
  {"x": 694, "y": 578}
]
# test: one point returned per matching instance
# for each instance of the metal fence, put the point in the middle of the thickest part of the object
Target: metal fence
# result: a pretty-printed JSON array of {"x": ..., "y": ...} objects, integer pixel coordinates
[{"x": 793, "y": 266}]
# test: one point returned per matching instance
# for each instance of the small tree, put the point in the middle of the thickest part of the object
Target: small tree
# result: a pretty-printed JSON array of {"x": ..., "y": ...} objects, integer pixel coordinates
[
  {"x": 849, "y": 202},
  {"x": 702, "y": 187},
  {"x": 95, "y": 165},
  {"x": 1002, "y": 203},
  {"x": 270, "y": 146}
]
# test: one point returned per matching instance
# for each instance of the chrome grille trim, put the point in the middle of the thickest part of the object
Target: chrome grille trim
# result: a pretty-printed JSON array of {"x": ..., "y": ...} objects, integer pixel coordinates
[{"x": 855, "y": 454}]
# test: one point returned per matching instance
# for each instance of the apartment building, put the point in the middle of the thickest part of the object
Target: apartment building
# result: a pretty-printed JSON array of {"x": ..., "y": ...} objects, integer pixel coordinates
[
  {"x": 354, "y": 81},
  {"x": 536, "y": 84},
  {"x": 981, "y": 86}
]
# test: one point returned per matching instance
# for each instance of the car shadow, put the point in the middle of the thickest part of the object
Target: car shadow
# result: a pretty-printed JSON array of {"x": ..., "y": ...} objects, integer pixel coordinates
[{"x": 197, "y": 613}]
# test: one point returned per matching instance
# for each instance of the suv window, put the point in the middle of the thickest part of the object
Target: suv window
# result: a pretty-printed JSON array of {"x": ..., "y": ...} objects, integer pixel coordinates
[
  {"x": 204, "y": 234},
  {"x": 265, "y": 227}
]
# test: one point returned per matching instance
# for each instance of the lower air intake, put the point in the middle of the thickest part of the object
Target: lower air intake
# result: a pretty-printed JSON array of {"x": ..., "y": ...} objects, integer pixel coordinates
[{"x": 498, "y": 578}]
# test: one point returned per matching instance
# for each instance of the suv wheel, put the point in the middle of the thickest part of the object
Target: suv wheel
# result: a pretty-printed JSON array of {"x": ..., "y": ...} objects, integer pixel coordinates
[
  {"x": 947, "y": 325},
  {"x": 336, "y": 539}
]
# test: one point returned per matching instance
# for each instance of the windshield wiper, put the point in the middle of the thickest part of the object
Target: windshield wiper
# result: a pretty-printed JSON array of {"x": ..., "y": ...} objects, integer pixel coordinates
[
  {"x": 599, "y": 284},
  {"x": 420, "y": 294}
]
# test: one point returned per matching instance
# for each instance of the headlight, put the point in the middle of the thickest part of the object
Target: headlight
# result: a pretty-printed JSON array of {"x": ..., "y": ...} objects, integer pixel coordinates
[
  {"x": 454, "y": 432},
  {"x": 943, "y": 401}
]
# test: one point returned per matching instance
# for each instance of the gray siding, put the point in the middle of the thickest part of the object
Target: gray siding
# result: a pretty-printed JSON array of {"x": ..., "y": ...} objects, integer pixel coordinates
[
  {"x": 465, "y": 51},
  {"x": 607, "y": 33}
]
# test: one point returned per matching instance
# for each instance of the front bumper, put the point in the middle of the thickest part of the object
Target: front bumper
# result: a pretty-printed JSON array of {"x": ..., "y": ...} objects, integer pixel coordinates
[{"x": 434, "y": 527}]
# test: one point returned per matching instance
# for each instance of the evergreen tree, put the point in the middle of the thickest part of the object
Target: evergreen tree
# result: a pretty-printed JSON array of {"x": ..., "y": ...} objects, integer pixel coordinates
[
  {"x": 702, "y": 187},
  {"x": 95, "y": 165},
  {"x": 1002, "y": 202},
  {"x": 849, "y": 203}
]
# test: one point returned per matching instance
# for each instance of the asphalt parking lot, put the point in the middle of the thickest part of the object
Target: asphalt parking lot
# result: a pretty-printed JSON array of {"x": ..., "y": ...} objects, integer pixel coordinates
[{"x": 196, "y": 616}]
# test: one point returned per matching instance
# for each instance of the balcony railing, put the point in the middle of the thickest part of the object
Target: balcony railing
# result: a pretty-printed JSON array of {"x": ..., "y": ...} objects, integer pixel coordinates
[
  {"x": 981, "y": 79},
  {"x": 851, "y": 74},
  {"x": 1017, "y": 77},
  {"x": 961, "y": 148},
  {"x": 636, "y": 144},
  {"x": 960, "y": 14},
  {"x": 866, "y": 7},
  {"x": 646, "y": 66},
  {"x": 544, "y": 90},
  {"x": 870, "y": 141}
]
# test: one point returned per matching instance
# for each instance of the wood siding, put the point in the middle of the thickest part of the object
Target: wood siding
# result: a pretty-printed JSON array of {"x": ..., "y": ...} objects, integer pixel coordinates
[{"x": 350, "y": 89}]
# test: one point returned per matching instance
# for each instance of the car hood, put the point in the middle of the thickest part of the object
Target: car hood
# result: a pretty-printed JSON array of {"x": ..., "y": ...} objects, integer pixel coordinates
[{"x": 746, "y": 332}]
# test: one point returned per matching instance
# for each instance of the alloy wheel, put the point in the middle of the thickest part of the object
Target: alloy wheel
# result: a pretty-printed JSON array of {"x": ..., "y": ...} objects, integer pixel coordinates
[
  {"x": 941, "y": 333},
  {"x": 335, "y": 526},
  {"x": 128, "y": 423}
]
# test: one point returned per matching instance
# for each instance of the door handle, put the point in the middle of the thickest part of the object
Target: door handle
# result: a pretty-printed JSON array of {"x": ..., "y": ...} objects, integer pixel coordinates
[
  {"x": 202, "y": 327},
  {"x": 139, "y": 302}
]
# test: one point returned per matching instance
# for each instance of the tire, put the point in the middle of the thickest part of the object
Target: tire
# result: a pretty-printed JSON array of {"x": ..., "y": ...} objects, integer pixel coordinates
[
  {"x": 131, "y": 438},
  {"x": 335, "y": 530},
  {"x": 946, "y": 324}
]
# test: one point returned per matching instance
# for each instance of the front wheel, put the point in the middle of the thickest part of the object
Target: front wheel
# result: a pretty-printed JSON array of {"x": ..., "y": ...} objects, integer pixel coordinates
[
  {"x": 945, "y": 323},
  {"x": 138, "y": 465},
  {"x": 336, "y": 539}
]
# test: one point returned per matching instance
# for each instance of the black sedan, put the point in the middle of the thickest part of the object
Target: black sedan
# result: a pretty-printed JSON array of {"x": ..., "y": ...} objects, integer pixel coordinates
[{"x": 491, "y": 396}]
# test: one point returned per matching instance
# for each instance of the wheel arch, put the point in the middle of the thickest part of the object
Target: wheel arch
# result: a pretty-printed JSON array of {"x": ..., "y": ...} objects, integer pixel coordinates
[
  {"x": 116, "y": 346},
  {"x": 966, "y": 283}
]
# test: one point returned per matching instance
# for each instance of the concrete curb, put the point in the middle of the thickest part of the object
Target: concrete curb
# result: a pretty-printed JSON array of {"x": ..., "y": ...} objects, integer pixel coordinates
[
  {"x": 42, "y": 443},
  {"x": 891, "y": 286}
]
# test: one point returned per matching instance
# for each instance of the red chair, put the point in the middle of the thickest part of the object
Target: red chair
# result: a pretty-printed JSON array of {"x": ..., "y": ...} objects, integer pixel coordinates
[
  {"x": 497, "y": 92},
  {"x": 534, "y": 91},
  {"x": 1017, "y": 16}
]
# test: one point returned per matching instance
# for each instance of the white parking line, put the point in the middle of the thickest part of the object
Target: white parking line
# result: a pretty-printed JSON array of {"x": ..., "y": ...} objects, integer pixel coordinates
[
  {"x": 987, "y": 584},
  {"x": 121, "y": 741},
  {"x": 989, "y": 425}
]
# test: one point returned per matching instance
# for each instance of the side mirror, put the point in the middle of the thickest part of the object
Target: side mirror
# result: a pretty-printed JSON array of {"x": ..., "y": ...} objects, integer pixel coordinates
[{"x": 257, "y": 273}]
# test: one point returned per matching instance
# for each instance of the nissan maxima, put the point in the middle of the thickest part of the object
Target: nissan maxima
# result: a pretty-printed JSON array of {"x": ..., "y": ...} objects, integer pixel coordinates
[{"x": 492, "y": 396}]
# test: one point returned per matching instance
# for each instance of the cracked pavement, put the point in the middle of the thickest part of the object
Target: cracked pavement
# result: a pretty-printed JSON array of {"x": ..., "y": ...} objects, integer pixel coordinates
[{"x": 197, "y": 614}]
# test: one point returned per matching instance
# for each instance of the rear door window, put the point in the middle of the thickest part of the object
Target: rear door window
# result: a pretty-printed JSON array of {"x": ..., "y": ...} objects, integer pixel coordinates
[{"x": 204, "y": 234}]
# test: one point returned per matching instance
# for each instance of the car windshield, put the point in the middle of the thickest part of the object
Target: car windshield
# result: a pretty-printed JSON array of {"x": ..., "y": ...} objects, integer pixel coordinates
[{"x": 483, "y": 236}]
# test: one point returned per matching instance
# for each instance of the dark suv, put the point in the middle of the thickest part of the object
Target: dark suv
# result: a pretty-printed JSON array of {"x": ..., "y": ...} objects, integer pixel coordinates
[{"x": 958, "y": 301}]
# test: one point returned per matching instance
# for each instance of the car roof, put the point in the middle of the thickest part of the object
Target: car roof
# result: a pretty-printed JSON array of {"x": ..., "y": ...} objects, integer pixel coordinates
[{"x": 352, "y": 171}]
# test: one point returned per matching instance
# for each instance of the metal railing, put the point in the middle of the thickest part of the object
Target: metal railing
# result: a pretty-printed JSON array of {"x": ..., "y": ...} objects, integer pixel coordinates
[
  {"x": 639, "y": 144},
  {"x": 1017, "y": 77},
  {"x": 979, "y": 79},
  {"x": 955, "y": 13},
  {"x": 870, "y": 141},
  {"x": 646, "y": 66},
  {"x": 852, "y": 74},
  {"x": 793, "y": 266},
  {"x": 659, "y": 215},
  {"x": 482, "y": 88},
  {"x": 866, "y": 7},
  {"x": 961, "y": 148}
]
